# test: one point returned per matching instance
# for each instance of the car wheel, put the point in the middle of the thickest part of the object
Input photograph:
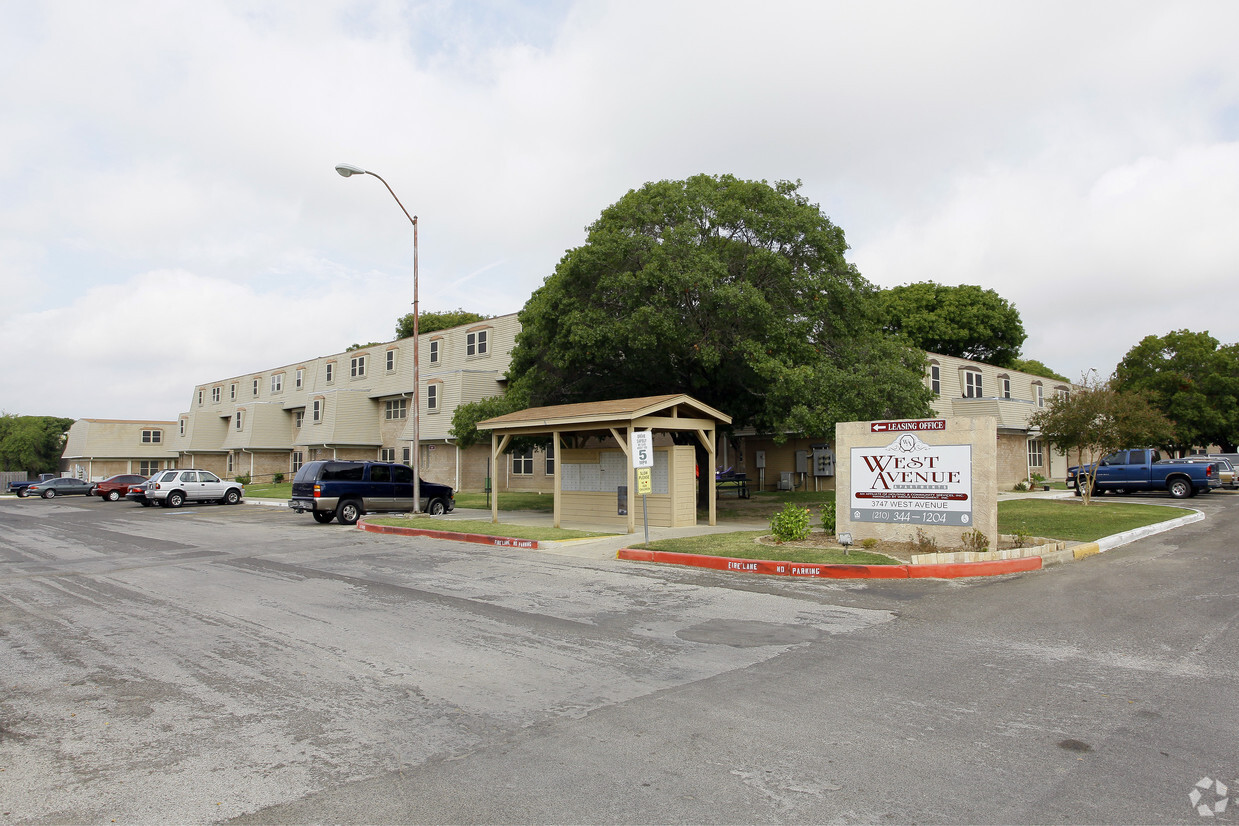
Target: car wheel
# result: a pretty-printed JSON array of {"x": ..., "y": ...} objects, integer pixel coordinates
[
  {"x": 50, "y": 493},
  {"x": 1180, "y": 488},
  {"x": 348, "y": 513},
  {"x": 23, "y": 493},
  {"x": 113, "y": 495},
  {"x": 323, "y": 517},
  {"x": 146, "y": 503},
  {"x": 436, "y": 507},
  {"x": 232, "y": 497},
  {"x": 175, "y": 499}
]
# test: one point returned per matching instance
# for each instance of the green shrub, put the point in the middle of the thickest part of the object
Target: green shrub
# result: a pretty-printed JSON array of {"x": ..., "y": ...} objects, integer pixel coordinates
[
  {"x": 869, "y": 543},
  {"x": 790, "y": 524},
  {"x": 277, "y": 478},
  {"x": 243, "y": 479},
  {"x": 828, "y": 518},
  {"x": 974, "y": 540}
]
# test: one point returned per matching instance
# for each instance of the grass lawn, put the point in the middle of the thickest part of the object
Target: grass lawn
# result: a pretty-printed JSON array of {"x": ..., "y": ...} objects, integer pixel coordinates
[
  {"x": 1070, "y": 519},
  {"x": 1053, "y": 519},
  {"x": 742, "y": 545},
  {"x": 509, "y": 501},
  {"x": 766, "y": 504},
  {"x": 284, "y": 490},
  {"x": 546, "y": 534}
]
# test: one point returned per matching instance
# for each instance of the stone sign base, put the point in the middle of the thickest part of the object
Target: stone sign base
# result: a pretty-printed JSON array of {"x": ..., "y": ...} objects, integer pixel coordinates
[{"x": 900, "y": 480}]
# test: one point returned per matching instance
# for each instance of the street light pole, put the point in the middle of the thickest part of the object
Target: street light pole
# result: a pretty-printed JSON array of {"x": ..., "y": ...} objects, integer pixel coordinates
[{"x": 346, "y": 170}]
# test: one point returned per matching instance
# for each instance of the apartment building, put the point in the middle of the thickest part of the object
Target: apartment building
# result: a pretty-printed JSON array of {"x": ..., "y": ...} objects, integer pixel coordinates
[
  {"x": 355, "y": 404},
  {"x": 98, "y": 448},
  {"x": 961, "y": 388}
]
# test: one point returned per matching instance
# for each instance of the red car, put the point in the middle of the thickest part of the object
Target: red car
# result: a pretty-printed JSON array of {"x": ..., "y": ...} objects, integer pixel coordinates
[{"x": 114, "y": 487}]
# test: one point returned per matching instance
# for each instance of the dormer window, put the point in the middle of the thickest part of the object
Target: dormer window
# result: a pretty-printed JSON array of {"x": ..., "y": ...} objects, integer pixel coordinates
[{"x": 972, "y": 384}]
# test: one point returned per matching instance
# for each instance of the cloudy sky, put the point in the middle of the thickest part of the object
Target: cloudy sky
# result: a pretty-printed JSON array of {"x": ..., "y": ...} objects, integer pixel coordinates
[{"x": 170, "y": 215}]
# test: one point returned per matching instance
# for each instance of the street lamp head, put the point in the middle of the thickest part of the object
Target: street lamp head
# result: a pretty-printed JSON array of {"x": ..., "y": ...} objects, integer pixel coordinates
[{"x": 346, "y": 169}]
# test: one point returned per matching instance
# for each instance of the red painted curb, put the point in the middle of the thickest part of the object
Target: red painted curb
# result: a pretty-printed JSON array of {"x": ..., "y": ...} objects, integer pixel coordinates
[
  {"x": 762, "y": 566},
  {"x": 476, "y": 538}
]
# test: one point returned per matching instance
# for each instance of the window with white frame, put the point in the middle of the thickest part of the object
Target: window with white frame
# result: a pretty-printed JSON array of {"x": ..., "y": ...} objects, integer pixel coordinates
[
  {"x": 230, "y": 463},
  {"x": 432, "y": 397},
  {"x": 277, "y": 383},
  {"x": 215, "y": 395},
  {"x": 396, "y": 409},
  {"x": 300, "y": 380},
  {"x": 935, "y": 379},
  {"x": 152, "y": 437},
  {"x": 255, "y": 383},
  {"x": 298, "y": 418},
  {"x": 316, "y": 411},
  {"x": 1062, "y": 393},
  {"x": 232, "y": 392},
  {"x": 182, "y": 427},
  {"x": 387, "y": 454},
  {"x": 148, "y": 467},
  {"x": 1006, "y": 387},
  {"x": 436, "y": 350},
  {"x": 331, "y": 372},
  {"x": 391, "y": 361},
  {"x": 1039, "y": 392},
  {"x": 407, "y": 453},
  {"x": 240, "y": 419},
  {"x": 550, "y": 458},
  {"x": 357, "y": 367},
  {"x": 522, "y": 462},
  {"x": 297, "y": 460},
  {"x": 972, "y": 384},
  {"x": 477, "y": 343},
  {"x": 200, "y": 398},
  {"x": 1036, "y": 453}
]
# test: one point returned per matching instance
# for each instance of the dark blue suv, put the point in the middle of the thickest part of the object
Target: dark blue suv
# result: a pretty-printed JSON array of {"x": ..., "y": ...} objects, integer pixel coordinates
[{"x": 342, "y": 490}]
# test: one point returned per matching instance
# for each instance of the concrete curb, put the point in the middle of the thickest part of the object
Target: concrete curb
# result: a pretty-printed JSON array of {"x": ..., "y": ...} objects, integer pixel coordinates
[
  {"x": 475, "y": 538},
  {"x": 955, "y": 570},
  {"x": 946, "y": 570}
]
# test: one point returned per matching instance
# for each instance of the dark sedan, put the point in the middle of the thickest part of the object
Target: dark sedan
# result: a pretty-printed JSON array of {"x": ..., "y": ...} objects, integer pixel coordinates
[
  {"x": 114, "y": 487},
  {"x": 64, "y": 486}
]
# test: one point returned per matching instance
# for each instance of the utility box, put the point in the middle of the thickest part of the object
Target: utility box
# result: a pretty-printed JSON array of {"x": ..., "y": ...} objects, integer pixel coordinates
[
  {"x": 785, "y": 481},
  {"x": 802, "y": 461},
  {"x": 823, "y": 461}
]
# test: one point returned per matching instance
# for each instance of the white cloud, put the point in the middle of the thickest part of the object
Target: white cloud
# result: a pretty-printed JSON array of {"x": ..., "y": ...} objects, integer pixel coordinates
[{"x": 168, "y": 163}]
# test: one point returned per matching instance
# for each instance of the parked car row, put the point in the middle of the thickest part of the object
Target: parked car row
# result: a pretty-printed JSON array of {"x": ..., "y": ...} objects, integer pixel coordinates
[{"x": 331, "y": 490}]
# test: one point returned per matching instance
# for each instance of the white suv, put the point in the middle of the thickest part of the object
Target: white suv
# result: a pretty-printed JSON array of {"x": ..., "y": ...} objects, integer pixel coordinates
[{"x": 173, "y": 488}]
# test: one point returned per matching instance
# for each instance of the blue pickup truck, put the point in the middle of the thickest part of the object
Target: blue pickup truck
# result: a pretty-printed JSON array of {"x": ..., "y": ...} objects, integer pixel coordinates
[
  {"x": 1135, "y": 471},
  {"x": 20, "y": 487}
]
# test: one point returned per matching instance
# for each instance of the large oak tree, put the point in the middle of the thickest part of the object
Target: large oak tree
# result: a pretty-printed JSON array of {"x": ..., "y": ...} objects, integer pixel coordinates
[
  {"x": 965, "y": 321},
  {"x": 1193, "y": 380},
  {"x": 735, "y": 292}
]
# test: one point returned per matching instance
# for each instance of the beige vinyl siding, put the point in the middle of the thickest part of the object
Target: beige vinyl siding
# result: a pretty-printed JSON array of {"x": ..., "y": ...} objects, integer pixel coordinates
[
  {"x": 350, "y": 417},
  {"x": 265, "y": 426}
]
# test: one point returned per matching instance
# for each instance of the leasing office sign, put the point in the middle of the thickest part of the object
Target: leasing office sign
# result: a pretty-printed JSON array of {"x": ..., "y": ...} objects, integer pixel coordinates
[{"x": 911, "y": 482}]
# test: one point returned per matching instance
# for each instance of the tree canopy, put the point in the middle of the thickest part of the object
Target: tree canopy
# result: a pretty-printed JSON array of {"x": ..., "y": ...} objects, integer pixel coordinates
[
  {"x": 1097, "y": 419},
  {"x": 1036, "y": 368},
  {"x": 735, "y": 292},
  {"x": 435, "y": 321},
  {"x": 965, "y": 321},
  {"x": 32, "y": 443},
  {"x": 1193, "y": 380}
]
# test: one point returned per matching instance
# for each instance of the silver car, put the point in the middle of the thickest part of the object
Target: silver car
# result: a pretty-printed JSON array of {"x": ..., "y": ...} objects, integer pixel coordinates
[{"x": 173, "y": 488}]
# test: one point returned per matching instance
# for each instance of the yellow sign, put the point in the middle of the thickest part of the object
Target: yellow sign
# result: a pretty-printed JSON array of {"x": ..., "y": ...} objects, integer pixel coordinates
[{"x": 644, "y": 483}]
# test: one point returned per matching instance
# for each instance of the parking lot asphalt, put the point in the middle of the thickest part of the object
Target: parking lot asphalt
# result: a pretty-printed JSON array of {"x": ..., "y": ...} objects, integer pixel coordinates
[{"x": 241, "y": 664}]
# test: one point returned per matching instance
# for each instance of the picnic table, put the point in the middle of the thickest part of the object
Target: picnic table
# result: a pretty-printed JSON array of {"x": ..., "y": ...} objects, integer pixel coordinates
[{"x": 739, "y": 482}]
